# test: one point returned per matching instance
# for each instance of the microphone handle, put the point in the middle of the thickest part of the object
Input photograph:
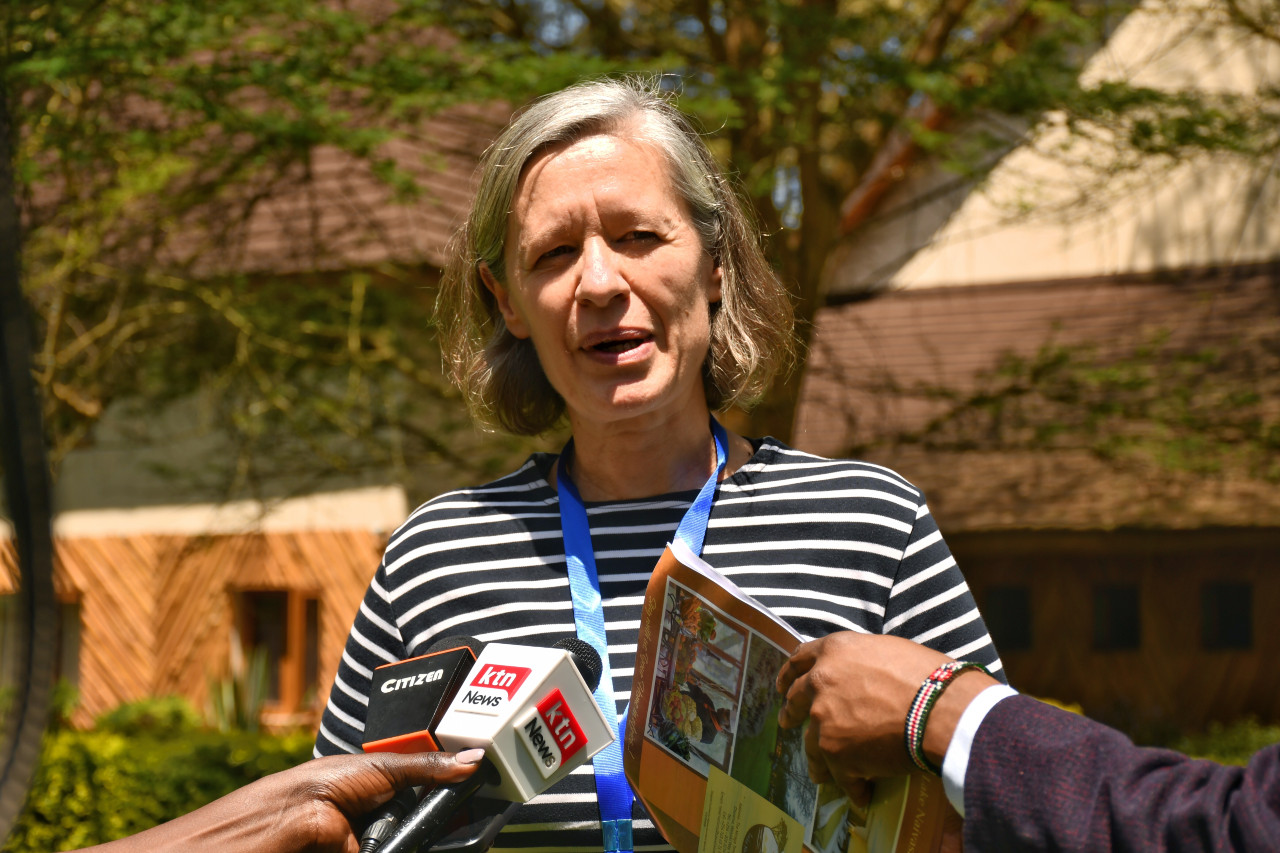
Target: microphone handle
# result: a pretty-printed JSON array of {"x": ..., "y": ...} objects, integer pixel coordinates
[
  {"x": 387, "y": 818},
  {"x": 427, "y": 822}
]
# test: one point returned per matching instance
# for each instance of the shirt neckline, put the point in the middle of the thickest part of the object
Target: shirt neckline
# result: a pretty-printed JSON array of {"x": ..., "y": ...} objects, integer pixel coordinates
[{"x": 542, "y": 464}]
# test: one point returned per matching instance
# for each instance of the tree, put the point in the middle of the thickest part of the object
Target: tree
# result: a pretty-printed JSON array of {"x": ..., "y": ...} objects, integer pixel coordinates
[
  {"x": 819, "y": 106},
  {"x": 151, "y": 134},
  {"x": 148, "y": 136}
]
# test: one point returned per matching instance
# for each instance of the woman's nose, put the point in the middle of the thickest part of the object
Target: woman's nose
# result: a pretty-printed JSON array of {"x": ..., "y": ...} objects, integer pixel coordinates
[{"x": 601, "y": 279}]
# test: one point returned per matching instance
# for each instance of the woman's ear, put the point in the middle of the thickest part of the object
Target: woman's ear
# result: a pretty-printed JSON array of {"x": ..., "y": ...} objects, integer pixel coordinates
[
  {"x": 713, "y": 286},
  {"x": 515, "y": 323}
]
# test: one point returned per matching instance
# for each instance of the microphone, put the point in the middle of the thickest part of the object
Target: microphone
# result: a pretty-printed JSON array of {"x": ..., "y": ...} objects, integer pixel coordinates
[
  {"x": 532, "y": 711},
  {"x": 408, "y": 698},
  {"x": 406, "y": 701}
]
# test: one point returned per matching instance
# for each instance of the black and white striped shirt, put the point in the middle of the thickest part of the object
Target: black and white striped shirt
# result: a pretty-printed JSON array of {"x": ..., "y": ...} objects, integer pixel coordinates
[{"x": 828, "y": 545}]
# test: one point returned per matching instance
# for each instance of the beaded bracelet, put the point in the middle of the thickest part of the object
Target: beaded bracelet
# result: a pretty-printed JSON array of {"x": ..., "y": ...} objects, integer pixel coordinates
[{"x": 918, "y": 714}]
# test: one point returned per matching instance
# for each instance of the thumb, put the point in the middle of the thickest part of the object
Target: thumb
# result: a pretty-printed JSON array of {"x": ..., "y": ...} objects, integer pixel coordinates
[
  {"x": 428, "y": 768},
  {"x": 359, "y": 783}
]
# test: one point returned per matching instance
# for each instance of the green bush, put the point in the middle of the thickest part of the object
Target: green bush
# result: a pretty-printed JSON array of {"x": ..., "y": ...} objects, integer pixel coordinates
[
  {"x": 148, "y": 763},
  {"x": 1233, "y": 743},
  {"x": 165, "y": 716}
]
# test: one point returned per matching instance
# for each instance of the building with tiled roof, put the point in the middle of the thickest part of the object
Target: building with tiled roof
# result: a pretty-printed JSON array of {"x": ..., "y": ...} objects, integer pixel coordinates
[
  {"x": 1077, "y": 362},
  {"x": 1133, "y": 584}
]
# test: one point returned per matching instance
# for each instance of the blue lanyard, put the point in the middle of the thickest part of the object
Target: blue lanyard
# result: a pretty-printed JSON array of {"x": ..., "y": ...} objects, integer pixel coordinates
[{"x": 613, "y": 794}]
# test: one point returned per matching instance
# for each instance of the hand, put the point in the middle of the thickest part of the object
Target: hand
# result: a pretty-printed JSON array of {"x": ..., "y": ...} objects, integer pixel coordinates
[
  {"x": 855, "y": 690},
  {"x": 312, "y": 807},
  {"x": 326, "y": 796}
]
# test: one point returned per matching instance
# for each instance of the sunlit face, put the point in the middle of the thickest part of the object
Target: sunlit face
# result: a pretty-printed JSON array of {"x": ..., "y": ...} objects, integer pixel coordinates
[{"x": 606, "y": 275}]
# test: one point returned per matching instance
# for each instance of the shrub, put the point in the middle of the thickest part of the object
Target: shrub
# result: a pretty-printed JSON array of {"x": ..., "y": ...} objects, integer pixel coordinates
[
  {"x": 148, "y": 763},
  {"x": 165, "y": 716},
  {"x": 1232, "y": 743}
]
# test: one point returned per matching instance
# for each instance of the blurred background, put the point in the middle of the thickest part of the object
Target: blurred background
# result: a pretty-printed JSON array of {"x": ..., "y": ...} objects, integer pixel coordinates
[{"x": 1034, "y": 246}]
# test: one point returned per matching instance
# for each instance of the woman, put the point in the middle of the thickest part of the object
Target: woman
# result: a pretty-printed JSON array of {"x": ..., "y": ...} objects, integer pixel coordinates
[{"x": 608, "y": 275}]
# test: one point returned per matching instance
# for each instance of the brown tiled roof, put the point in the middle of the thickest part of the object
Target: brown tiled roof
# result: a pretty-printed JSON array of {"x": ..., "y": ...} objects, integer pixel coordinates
[
  {"x": 330, "y": 213},
  {"x": 338, "y": 215},
  {"x": 876, "y": 367},
  {"x": 1075, "y": 490}
]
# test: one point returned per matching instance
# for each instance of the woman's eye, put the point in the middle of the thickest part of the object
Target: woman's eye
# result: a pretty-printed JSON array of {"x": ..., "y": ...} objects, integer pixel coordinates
[
  {"x": 641, "y": 235},
  {"x": 552, "y": 254}
]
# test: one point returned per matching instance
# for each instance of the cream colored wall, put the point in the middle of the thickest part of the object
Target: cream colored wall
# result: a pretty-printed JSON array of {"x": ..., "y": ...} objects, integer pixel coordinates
[
  {"x": 1060, "y": 206},
  {"x": 378, "y": 509}
]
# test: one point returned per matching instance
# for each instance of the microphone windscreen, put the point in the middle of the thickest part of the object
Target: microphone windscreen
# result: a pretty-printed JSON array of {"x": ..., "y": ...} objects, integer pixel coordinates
[
  {"x": 457, "y": 641},
  {"x": 585, "y": 658},
  {"x": 408, "y": 698}
]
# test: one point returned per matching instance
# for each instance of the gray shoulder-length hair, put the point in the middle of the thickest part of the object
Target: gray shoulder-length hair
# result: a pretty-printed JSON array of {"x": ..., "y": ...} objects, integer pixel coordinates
[{"x": 498, "y": 373}]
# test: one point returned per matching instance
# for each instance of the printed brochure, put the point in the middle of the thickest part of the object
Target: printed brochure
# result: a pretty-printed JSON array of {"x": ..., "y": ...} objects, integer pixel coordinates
[{"x": 703, "y": 749}]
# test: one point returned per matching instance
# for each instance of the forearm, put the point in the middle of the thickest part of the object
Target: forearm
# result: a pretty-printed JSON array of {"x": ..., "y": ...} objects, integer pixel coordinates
[
  {"x": 948, "y": 709},
  {"x": 310, "y": 808},
  {"x": 241, "y": 822},
  {"x": 1040, "y": 778}
]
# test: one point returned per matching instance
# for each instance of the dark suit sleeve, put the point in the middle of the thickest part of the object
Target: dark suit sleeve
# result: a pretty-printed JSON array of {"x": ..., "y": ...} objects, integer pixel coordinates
[{"x": 1040, "y": 778}]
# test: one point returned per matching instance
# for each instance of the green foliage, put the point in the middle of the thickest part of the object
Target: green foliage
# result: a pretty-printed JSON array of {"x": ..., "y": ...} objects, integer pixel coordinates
[
  {"x": 1226, "y": 743},
  {"x": 160, "y": 717},
  {"x": 236, "y": 701},
  {"x": 1202, "y": 410},
  {"x": 1233, "y": 743},
  {"x": 98, "y": 786},
  {"x": 62, "y": 704},
  {"x": 1073, "y": 707},
  {"x": 149, "y": 135},
  {"x": 1179, "y": 124},
  {"x": 153, "y": 132},
  {"x": 802, "y": 98}
]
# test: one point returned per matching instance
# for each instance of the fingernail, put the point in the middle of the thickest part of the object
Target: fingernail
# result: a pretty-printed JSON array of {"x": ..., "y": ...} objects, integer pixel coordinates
[{"x": 469, "y": 756}]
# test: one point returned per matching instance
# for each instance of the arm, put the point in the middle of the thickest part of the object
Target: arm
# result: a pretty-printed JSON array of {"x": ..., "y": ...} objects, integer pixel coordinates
[
  {"x": 1043, "y": 778},
  {"x": 311, "y": 807},
  {"x": 1037, "y": 778}
]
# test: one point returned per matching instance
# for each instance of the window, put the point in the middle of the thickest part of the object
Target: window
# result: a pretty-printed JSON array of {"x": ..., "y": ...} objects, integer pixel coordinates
[
  {"x": 285, "y": 626},
  {"x": 1226, "y": 616},
  {"x": 1117, "y": 620},
  {"x": 1007, "y": 612}
]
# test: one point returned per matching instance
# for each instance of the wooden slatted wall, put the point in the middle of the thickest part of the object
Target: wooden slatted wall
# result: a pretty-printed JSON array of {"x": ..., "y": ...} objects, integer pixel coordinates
[{"x": 156, "y": 610}]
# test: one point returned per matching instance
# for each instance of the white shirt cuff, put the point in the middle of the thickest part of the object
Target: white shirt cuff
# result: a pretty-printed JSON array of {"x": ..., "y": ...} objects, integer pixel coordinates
[{"x": 956, "y": 762}]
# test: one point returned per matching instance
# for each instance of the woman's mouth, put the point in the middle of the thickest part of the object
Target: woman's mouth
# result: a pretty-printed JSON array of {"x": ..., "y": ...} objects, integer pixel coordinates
[
  {"x": 617, "y": 343},
  {"x": 618, "y": 346}
]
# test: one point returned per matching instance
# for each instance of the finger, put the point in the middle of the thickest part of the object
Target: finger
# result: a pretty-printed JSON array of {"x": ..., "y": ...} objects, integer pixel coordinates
[
  {"x": 818, "y": 770},
  {"x": 358, "y": 783},
  {"x": 795, "y": 710},
  {"x": 858, "y": 790},
  {"x": 429, "y": 768},
  {"x": 800, "y": 662}
]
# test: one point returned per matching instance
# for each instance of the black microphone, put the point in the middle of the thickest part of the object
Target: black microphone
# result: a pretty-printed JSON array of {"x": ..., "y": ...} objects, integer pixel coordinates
[
  {"x": 408, "y": 698},
  {"x": 533, "y": 712},
  {"x": 585, "y": 658},
  {"x": 406, "y": 701}
]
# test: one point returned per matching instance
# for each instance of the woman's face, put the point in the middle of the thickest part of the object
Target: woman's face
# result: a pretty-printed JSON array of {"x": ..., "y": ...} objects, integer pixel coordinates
[{"x": 606, "y": 275}]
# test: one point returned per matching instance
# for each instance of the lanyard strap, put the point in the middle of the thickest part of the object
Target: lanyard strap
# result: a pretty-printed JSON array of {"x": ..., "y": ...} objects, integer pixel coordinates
[{"x": 613, "y": 794}]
